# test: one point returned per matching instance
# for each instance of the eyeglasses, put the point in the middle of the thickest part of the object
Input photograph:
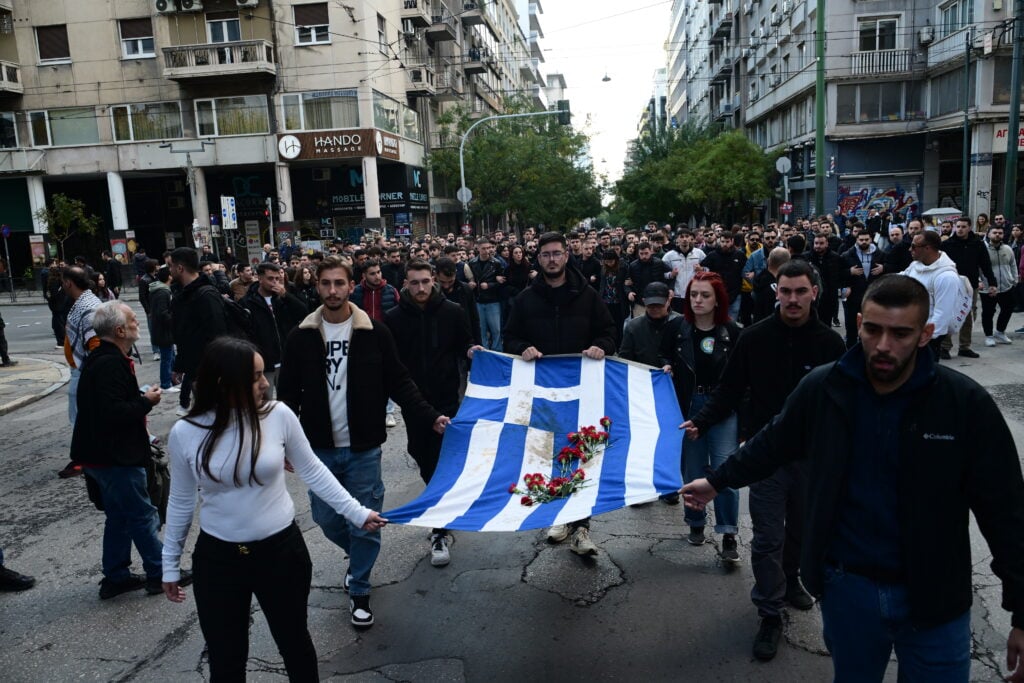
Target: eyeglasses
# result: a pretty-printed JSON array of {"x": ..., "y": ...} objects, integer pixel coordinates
[{"x": 550, "y": 255}]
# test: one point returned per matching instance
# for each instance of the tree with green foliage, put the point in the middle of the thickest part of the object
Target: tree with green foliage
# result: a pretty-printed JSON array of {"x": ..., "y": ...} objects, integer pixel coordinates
[
  {"x": 695, "y": 170},
  {"x": 66, "y": 217},
  {"x": 532, "y": 170}
]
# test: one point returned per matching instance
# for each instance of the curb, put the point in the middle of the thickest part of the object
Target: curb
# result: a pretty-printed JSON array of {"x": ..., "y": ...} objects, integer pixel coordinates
[{"x": 65, "y": 375}]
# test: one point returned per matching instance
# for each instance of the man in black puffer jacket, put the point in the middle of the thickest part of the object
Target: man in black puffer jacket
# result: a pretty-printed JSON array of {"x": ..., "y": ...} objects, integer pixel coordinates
[
  {"x": 432, "y": 336},
  {"x": 560, "y": 313},
  {"x": 272, "y": 322}
]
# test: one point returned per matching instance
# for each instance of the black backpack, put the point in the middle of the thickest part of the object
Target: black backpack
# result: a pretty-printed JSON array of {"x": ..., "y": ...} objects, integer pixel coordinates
[{"x": 238, "y": 320}]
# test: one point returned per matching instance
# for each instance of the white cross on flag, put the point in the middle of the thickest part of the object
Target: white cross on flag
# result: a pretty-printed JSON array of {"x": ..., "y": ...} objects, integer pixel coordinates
[{"x": 514, "y": 421}]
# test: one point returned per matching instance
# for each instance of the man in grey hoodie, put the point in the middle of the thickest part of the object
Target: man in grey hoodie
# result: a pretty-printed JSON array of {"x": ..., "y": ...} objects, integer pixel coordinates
[{"x": 1004, "y": 267}]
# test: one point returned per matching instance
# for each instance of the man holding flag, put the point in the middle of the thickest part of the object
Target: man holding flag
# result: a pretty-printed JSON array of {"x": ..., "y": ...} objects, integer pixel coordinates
[{"x": 560, "y": 314}]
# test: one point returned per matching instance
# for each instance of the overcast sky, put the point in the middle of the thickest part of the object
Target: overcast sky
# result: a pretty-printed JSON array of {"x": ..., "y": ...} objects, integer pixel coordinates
[{"x": 585, "y": 40}]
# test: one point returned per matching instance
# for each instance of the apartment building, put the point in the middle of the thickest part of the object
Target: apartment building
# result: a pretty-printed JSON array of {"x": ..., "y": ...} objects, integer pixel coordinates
[
  {"x": 895, "y": 94},
  {"x": 316, "y": 116}
]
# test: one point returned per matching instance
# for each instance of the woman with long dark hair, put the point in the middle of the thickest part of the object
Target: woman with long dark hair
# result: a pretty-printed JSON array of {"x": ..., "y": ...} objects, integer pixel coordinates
[
  {"x": 231, "y": 448},
  {"x": 305, "y": 287},
  {"x": 697, "y": 356}
]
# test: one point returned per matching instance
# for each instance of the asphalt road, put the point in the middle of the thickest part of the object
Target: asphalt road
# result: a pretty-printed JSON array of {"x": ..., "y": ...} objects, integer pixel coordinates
[{"x": 508, "y": 607}]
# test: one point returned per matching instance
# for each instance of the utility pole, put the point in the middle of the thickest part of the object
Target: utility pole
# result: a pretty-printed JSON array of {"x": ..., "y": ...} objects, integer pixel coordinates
[
  {"x": 965, "y": 168},
  {"x": 1013, "y": 130},
  {"x": 819, "y": 110}
]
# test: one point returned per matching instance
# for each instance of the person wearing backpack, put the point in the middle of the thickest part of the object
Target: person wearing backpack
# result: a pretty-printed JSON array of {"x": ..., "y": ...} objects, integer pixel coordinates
[{"x": 197, "y": 318}]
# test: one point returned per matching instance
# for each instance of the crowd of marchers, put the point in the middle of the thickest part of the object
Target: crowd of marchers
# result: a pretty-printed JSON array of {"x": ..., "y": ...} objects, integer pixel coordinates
[{"x": 296, "y": 362}]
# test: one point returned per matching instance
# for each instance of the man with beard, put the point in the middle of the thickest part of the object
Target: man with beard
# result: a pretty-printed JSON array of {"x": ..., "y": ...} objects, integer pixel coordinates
[
  {"x": 1004, "y": 266},
  {"x": 684, "y": 261},
  {"x": 830, "y": 268},
  {"x": 642, "y": 272},
  {"x": 728, "y": 262},
  {"x": 433, "y": 337},
  {"x": 968, "y": 252},
  {"x": 340, "y": 366},
  {"x": 862, "y": 264},
  {"x": 898, "y": 258},
  {"x": 795, "y": 341},
  {"x": 899, "y": 450},
  {"x": 559, "y": 313}
]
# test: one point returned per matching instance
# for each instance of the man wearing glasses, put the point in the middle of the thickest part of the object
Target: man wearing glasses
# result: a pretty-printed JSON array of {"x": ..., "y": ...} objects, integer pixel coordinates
[{"x": 558, "y": 314}]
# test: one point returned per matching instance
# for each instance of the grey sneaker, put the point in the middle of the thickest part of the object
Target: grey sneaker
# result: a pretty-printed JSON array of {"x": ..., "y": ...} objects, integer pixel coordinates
[
  {"x": 558, "y": 533},
  {"x": 581, "y": 543},
  {"x": 439, "y": 555},
  {"x": 696, "y": 536}
]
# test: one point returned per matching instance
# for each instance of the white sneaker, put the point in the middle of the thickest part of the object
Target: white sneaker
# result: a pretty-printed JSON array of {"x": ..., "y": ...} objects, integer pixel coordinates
[
  {"x": 1001, "y": 338},
  {"x": 182, "y": 411},
  {"x": 558, "y": 533},
  {"x": 172, "y": 390},
  {"x": 390, "y": 421},
  {"x": 156, "y": 356},
  {"x": 439, "y": 554},
  {"x": 581, "y": 543},
  {"x": 990, "y": 341}
]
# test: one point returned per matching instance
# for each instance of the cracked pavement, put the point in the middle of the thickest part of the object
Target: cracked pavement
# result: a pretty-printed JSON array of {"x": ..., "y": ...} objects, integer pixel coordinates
[{"x": 648, "y": 607}]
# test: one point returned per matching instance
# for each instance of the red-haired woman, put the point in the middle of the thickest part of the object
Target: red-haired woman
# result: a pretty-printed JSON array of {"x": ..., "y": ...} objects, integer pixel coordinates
[{"x": 697, "y": 356}]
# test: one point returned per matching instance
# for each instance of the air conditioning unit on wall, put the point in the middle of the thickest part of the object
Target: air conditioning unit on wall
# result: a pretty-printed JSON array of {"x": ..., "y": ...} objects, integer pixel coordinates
[
  {"x": 190, "y": 5},
  {"x": 247, "y": 3},
  {"x": 165, "y": 6}
]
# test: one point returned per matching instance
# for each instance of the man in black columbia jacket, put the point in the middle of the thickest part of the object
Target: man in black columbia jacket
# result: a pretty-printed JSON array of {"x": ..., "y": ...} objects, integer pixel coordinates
[
  {"x": 899, "y": 451},
  {"x": 560, "y": 313},
  {"x": 770, "y": 358}
]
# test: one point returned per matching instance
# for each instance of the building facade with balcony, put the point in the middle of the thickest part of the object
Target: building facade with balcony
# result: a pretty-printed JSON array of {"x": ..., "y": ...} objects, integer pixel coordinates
[
  {"x": 894, "y": 98},
  {"x": 151, "y": 110}
]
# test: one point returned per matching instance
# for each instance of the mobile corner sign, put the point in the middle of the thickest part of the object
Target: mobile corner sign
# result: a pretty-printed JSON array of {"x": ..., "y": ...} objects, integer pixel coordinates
[
  {"x": 1001, "y": 137},
  {"x": 338, "y": 144}
]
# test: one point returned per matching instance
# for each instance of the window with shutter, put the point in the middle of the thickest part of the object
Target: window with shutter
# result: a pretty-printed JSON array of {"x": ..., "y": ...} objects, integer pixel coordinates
[
  {"x": 53, "y": 43},
  {"x": 311, "y": 24},
  {"x": 137, "y": 38}
]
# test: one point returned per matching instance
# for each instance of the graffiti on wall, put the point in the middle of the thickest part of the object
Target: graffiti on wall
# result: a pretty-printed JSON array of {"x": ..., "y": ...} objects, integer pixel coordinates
[{"x": 858, "y": 200}]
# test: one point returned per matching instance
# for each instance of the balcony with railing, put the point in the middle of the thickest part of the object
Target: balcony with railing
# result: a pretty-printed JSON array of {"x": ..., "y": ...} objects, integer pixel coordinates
[
  {"x": 478, "y": 108},
  {"x": 948, "y": 47},
  {"x": 450, "y": 84},
  {"x": 534, "y": 17},
  {"x": 416, "y": 12},
  {"x": 444, "y": 139},
  {"x": 721, "y": 23},
  {"x": 10, "y": 78},
  {"x": 474, "y": 61},
  {"x": 472, "y": 14},
  {"x": 220, "y": 60},
  {"x": 488, "y": 94},
  {"x": 443, "y": 26},
  {"x": 878, "y": 62},
  {"x": 421, "y": 81}
]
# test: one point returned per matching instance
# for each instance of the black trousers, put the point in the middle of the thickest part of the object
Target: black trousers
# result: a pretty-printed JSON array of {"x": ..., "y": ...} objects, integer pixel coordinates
[
  {"x": 1005, "y": 301},
  {"x": 278, "y": 571},
  {"x": 776, "y": 514}
]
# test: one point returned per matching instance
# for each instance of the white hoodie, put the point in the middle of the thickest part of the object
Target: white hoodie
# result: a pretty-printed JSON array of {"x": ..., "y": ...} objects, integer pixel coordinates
[{"x": 943, "y": 284}]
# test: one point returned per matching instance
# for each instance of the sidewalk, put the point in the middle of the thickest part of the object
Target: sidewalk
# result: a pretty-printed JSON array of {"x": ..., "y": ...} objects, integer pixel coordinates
[
  {"x": 30, "y": 380},
  {"x": 35, "y": 297}
]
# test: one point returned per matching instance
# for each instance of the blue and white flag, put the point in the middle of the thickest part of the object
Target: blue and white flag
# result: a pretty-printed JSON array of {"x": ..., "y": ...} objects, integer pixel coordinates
[{"x": 514, "y": 420}]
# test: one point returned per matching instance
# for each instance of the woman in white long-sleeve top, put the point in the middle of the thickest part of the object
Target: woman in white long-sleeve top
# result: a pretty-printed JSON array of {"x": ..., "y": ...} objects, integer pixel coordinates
[{"x": 231, "y": 449}]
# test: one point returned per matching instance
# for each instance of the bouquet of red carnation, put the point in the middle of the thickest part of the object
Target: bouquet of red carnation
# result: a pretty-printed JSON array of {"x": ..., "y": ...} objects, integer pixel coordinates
[{"x": 584, "y": 446}]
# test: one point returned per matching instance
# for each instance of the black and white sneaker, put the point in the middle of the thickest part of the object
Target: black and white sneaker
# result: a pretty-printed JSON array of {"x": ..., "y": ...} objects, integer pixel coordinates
[
  {"x": 439, "y": 554},
  {"x": 696, "y": 536},
  {"x": 347, "y": 582},
  {"x": 362, "y": 617}
]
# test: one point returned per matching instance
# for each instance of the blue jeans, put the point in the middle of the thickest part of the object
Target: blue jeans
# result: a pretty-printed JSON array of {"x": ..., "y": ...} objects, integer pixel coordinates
[
  {"x": 131, "y": 518},
  {"x": 864, "y": 620},
  {"x": 166, "y": 366},
  {"x": 359, "y": 473},
  {"x": 712, "y": 448},
  {"x": 734, "y": 310},
  {"x": 73, "y": 395},
  {"x": 490, "y": 325}
]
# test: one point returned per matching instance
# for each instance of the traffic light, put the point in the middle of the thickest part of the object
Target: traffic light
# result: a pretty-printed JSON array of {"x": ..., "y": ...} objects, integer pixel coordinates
[
  {"x": 268, "y": 212},
  {"x": 564, "y": 115}
]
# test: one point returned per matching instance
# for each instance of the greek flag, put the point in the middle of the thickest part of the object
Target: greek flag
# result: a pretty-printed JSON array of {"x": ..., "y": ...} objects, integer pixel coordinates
[{"x": 515, "y": 419}]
